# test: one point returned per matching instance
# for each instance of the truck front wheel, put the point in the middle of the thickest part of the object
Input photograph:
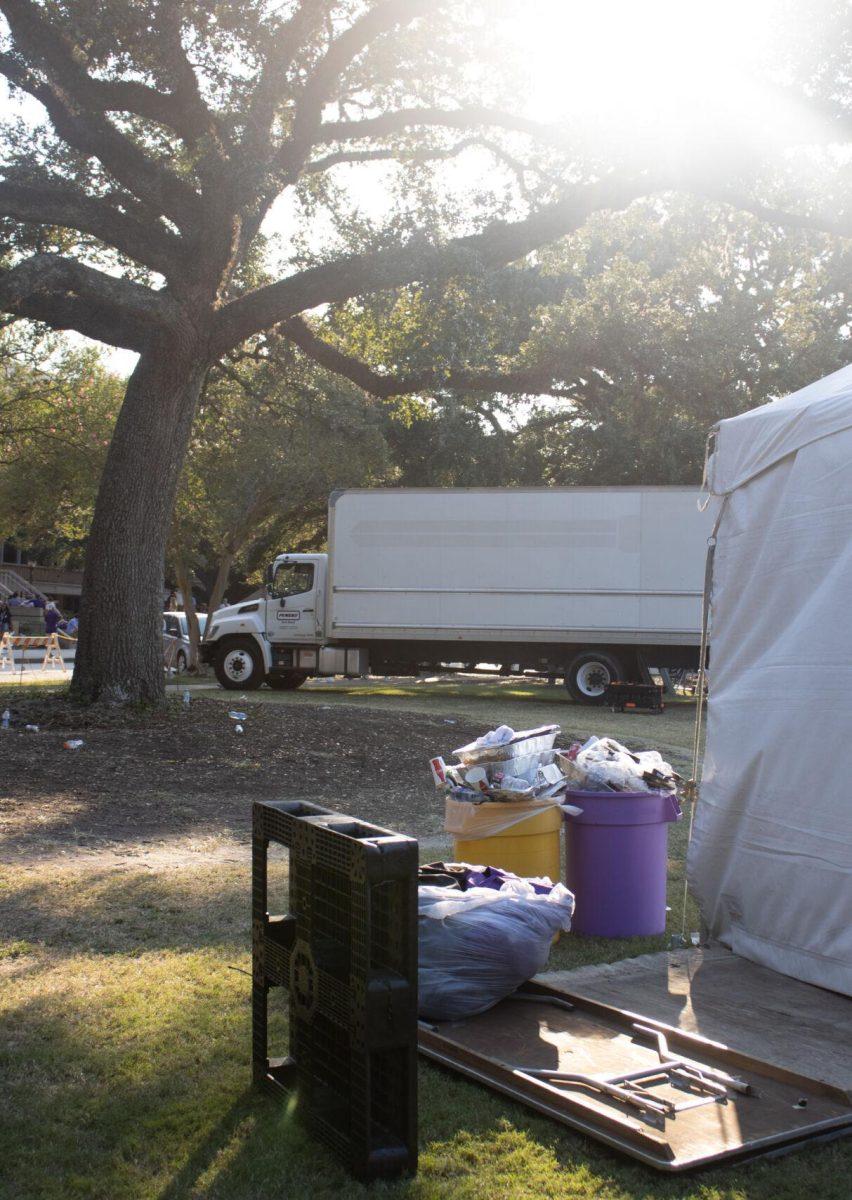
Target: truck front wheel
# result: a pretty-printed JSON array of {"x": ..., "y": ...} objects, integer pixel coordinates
[
  {"x": 239, "y": 665},
  {"x": 588, "y": 675}
]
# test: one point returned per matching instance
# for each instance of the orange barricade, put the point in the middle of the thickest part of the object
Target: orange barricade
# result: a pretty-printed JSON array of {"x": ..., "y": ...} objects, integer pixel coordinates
[{"x": 10, "y": 642}]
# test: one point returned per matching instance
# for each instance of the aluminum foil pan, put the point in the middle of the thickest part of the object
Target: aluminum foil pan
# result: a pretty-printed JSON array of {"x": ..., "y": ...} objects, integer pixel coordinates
[{"x": 525, "y": 743}]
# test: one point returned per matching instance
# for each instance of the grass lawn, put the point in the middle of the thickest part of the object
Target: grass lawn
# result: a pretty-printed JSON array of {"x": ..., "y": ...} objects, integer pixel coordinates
[
  {"x": 523, "y": 703},
  {"x": 124, "y": 1005}
]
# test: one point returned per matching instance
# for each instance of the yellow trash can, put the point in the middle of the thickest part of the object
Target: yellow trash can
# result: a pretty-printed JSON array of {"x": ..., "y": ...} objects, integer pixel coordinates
[{"x": 529, "y": 847}]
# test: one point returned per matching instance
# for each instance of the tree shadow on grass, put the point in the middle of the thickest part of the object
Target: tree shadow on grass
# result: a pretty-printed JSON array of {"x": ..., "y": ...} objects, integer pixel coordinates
[{"x": 107, "y": 912}]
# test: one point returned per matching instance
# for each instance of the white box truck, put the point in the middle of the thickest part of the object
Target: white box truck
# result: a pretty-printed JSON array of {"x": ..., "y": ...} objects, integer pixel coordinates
[{"x": 588, "y": 584}]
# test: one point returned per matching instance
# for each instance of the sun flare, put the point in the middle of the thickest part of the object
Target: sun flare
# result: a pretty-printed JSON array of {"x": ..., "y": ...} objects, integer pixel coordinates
[{"x": 661, "y": 66}]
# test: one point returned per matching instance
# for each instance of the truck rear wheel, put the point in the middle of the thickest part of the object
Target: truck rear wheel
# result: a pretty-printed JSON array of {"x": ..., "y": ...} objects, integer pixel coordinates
[
  {"x": 239, "y": 665},
  {"x": 588, "y": 675},
  {"x": 287, "y": 681}
]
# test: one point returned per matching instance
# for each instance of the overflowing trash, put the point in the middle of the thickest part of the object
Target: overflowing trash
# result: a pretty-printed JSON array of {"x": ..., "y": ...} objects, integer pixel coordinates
[
  {"x": 505, "y": 777},
  {"x": 604, "y": 765},
  {"x": 503, "y": 766},
  {"x": 478, "y": 943}
]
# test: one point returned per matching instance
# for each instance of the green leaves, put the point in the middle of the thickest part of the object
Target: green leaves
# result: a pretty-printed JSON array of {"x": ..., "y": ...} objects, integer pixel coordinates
[{"x": 57, "y": 411}]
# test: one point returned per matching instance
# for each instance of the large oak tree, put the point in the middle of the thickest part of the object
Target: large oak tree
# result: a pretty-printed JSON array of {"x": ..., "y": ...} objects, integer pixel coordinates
[{"x": 158, "y": 137}]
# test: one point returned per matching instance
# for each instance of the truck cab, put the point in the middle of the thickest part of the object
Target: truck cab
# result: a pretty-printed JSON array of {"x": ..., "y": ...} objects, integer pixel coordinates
[
  {"x": 279, "y": 638},
  {"x": 295, "y": 599}
]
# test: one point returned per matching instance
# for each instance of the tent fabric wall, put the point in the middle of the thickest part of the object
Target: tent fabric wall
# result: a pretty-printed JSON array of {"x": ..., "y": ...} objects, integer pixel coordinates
[
  {"x": 771, "y": 857},
  {"x": 757, "y": 439}
]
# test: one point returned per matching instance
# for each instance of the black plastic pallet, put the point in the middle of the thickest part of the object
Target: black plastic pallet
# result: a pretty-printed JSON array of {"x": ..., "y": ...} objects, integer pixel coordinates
[
  {"x": 620, "y": 696},
  {"x": 347, "y": 953}
]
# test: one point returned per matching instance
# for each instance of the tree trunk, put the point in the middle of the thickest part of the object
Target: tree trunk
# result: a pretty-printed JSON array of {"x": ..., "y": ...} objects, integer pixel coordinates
[
  {"x": 220, "y": 584},
  {"x": 184, "y": 582},
  {"x": 119, "y": 650}
]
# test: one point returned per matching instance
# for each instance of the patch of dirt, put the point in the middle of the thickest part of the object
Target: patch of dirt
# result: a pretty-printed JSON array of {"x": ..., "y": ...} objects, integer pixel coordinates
[
  {"x": 186, "y": 773},
  {"x": 53, "y": 709}
]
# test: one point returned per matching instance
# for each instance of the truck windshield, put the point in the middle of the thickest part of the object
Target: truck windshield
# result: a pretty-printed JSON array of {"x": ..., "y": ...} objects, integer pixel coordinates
[{"x": 291, "y": 579}]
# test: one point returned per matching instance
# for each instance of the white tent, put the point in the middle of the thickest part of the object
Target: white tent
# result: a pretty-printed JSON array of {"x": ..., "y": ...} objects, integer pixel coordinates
[{"x": 771, "y": 855}]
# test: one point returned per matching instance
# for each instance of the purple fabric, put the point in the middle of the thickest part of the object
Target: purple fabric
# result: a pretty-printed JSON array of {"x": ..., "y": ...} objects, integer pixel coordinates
[{"x": 495, "y": 877}]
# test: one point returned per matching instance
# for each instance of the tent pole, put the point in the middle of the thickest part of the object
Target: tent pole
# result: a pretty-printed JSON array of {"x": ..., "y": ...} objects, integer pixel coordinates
[{"x": 690, "y": 791}]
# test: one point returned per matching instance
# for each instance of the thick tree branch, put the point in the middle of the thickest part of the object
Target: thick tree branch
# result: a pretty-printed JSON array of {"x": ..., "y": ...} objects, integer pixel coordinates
[
  {"x": 500, "y": 243},
  {"x": 521, "y": 381},
  {"x": 94, "y": 136},
  {"x": 182, "y": 110},
  {"x": 832, "y": 225},
  {"x": 469, "y": 117},
  {"x": 270, "y": 88},
  {"x": 65, "y": 294},
  {"x": 55, "y": 203},
  {"x": 399, "y": 155},
  {"x": 837, "y": 121},
  {"x": 319, "y": 87},
  {"x": 286, "y": 164},
  {"x": 186, "y": 93}
]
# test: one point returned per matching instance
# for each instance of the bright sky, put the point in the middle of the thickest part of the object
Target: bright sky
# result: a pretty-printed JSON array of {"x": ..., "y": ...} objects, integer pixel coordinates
[
  {"x": 664, "y": 72},
  {"x": 629, "y": 57}
]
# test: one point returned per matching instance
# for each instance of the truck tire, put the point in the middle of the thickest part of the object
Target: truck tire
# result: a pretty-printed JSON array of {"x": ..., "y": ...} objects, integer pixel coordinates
[
  {"x": 239, "y": 665},
  {"x": 587, "y": 676},
  {"x": 288, "y": 681}
]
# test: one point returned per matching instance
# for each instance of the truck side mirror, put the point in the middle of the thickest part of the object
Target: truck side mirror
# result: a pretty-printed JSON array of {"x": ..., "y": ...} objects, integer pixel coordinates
[{"x": 270, "y": 575}]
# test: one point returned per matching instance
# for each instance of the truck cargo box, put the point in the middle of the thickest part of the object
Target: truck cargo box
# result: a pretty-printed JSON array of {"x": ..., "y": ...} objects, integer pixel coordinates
[{"x": 622, "y": 565}]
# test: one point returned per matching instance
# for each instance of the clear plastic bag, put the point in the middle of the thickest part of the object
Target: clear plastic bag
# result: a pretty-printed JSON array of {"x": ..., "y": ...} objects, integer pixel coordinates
[
  {"x": 602, "y": 764},
  {"x": 470, "y": 822},
  {"x": 478, "y": 946}
]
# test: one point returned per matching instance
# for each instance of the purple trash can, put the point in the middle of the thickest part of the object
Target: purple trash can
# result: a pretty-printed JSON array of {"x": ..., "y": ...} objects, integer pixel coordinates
[{"x": 616, "y": 860}]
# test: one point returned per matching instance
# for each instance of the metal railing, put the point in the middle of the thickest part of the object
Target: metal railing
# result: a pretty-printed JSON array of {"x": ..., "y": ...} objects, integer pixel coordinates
[{"x": 11, "y": 582}]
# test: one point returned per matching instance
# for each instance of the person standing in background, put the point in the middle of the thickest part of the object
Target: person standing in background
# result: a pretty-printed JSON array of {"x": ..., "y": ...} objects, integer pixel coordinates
[{"x": 52, "y": 617}]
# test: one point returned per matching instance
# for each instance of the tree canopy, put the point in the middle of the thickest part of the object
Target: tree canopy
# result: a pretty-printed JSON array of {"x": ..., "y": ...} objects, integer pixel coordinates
[{"x": 672, "y": 321}]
